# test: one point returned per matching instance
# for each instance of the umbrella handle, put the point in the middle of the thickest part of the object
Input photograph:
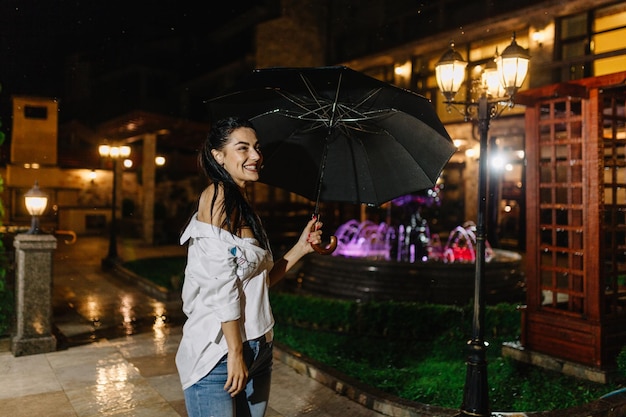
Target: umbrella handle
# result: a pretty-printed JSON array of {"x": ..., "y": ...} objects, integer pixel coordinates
[
  {"x": 319, "y": 248},
  {"x": 326, "y": 250},
  {"x": 330, "y": 248}
]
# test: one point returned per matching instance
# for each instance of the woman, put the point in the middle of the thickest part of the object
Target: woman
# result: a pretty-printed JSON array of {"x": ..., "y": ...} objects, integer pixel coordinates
[{"x": 225, "y": 356}]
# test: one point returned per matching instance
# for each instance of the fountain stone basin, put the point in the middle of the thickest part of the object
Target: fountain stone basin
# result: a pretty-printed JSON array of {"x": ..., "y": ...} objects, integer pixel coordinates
[{"x": 432, "y": 281}]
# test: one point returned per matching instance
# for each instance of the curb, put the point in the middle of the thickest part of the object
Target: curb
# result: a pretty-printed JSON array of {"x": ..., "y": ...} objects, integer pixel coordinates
[{"x": 154, "y": 290}]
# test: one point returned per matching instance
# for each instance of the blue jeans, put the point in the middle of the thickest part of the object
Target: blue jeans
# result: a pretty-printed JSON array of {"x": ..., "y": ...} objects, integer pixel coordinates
[{"x": 207, "y": 397}]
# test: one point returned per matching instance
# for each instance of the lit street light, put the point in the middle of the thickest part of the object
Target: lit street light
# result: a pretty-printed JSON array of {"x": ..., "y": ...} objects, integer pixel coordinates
[
  {"x": 114, "y": 153},
  {"x": 36, "y": 202},
  {"x": 512, "y": 67}
]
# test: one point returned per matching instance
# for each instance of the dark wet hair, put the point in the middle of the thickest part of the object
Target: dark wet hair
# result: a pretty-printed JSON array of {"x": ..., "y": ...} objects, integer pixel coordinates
[{"x": 237, "y": 210}]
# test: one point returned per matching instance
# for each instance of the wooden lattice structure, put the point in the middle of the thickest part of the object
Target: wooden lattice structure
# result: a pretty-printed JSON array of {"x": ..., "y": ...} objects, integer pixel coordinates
[{"x": 576, "y": 221}]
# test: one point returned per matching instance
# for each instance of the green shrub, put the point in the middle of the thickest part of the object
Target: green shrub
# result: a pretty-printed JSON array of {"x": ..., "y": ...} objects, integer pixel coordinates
[
  {"x": 313, "y": 312},
  {"x": 7, "y": 295},
  {"x": 392, "y": 319}
]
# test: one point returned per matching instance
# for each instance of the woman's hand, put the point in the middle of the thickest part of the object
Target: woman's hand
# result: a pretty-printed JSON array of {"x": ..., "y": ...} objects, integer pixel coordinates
[
  {"x": 312, "y": 234},
  {"x": 237, "y": 373},
  {"x": 323, "y": 249},
  {"x": 237, "y": 377}
]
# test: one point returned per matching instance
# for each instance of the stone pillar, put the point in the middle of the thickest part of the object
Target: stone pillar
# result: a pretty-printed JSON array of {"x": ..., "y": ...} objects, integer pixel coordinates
[
  {"x": 148, "y": 174},
  {"x": 33, "y": 256}
]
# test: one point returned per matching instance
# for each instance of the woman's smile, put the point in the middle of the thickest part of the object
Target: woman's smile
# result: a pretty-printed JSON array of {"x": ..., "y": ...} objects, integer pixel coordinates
[{"x": 241, "y": 156}]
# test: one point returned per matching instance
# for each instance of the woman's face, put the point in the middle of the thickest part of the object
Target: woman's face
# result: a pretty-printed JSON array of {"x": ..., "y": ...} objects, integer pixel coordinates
[{"x": 241, "y": 156}]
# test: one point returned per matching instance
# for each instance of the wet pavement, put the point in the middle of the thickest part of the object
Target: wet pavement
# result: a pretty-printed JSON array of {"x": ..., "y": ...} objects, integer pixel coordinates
[
  {"x": 90, "y": 304},
  {"x": 116, "y": 348}
]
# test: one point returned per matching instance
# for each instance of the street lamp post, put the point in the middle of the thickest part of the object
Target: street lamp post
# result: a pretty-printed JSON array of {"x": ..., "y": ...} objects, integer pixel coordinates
[
  {"x": 114, "y": 153},
  {"x": 510, "y": 72}
]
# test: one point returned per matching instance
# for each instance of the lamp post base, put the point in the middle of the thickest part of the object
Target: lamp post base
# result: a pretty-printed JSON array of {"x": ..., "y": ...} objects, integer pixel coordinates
[
  {"x": 33, "y": 345},
  {"x": 34, "y": 226},
  {"x": 110, "y": 262}
]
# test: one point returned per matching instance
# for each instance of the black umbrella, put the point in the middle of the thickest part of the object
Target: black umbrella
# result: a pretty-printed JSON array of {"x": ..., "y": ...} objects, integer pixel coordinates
[{"x": 335, "y": 134}]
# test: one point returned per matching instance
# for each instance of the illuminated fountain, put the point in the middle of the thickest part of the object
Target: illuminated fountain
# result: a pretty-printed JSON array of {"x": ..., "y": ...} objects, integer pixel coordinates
[
  {"x": 412, "y": 243},
  {"x": 406, "y": 263}
]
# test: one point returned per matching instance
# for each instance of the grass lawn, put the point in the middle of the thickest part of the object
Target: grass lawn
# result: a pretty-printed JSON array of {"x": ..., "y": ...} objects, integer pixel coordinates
[
  {"x": 418, "y": 357},
  {"x": 166, "y": 271}
]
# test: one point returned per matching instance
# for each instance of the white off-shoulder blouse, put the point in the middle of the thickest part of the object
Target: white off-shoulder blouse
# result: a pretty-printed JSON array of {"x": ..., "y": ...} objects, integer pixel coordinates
[{"x": 226, "y": 278}]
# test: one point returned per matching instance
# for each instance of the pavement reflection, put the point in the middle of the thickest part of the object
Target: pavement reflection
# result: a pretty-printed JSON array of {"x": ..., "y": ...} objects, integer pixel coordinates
[{"x": 87, "y": 308}]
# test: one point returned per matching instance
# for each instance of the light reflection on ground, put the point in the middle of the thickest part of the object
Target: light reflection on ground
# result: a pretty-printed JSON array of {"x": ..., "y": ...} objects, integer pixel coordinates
[
  {"x": 160, "y": 328},
  {"x": 128, "y": 317}
]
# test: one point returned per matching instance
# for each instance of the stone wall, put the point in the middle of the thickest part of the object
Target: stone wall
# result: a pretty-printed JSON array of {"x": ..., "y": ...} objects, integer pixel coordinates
[{"x": 296, "y": 39}]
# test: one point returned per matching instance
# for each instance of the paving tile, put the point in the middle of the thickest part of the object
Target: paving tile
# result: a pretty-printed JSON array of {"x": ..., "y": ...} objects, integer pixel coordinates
[
  {"x": 179, "y": 407},
  {"x": 148, "y": 410},
  {"x": 93, "y": 354},
  {"x": 156, "y": 342},
  {"x": 10, "y": 364},
  {"x": 155, "y": 365},
  {"x": 115, "y": 397},
  {"x": 72, "y": 329},
  {"x": 52, "y": 404},
  {"x": 295, "y": 394},
  {"x": 168, "y": 386},
  {"x": 26, "y": 375},
  {"x": 272, "y": 413},
  {"x": 107, "y": 371}
]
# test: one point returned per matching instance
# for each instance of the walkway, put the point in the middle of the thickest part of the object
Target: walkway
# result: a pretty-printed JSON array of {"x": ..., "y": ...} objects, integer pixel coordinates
[{"x": 116, "y": 352}]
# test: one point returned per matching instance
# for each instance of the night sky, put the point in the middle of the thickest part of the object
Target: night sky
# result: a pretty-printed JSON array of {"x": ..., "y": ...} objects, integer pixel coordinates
[{"x": 36, "y": 36}]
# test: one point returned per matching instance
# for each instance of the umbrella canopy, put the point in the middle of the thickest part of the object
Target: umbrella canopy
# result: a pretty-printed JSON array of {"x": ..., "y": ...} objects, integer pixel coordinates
[{"x": 335, "y": 134}]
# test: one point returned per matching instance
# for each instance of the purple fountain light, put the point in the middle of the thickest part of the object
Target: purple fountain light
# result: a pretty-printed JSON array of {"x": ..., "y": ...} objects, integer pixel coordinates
[
  {"x": 410, "y": 243},
  {"x": 364, "y": 240}
]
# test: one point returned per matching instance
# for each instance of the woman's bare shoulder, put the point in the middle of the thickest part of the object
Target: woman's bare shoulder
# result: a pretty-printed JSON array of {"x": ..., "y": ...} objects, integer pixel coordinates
[{"x": 210, "y": 210}]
